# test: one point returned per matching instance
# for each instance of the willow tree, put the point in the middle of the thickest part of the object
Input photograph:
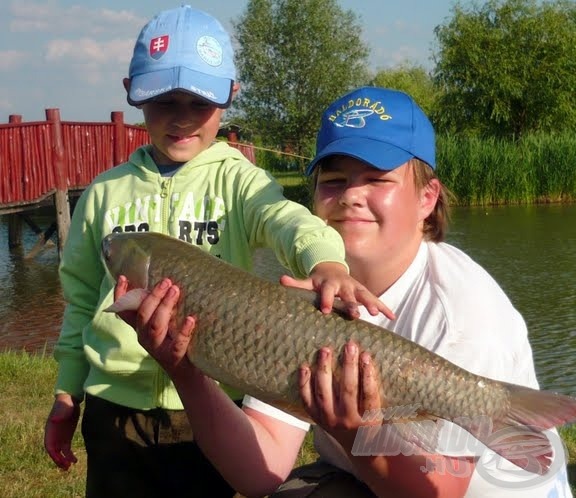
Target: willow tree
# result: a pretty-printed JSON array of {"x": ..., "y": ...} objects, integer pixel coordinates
[
  {"x": 411, "y": 79},
  {"x": 507, "y": 68},
  {"x": 293, "y": 58}
]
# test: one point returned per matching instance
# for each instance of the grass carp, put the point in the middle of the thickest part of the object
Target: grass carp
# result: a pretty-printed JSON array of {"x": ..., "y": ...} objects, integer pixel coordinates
[{"x": 253, "y": 334}]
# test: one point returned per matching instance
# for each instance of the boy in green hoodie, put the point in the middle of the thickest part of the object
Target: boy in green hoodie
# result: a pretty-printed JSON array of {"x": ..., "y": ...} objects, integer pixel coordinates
[{"x": 182, "y": 76}]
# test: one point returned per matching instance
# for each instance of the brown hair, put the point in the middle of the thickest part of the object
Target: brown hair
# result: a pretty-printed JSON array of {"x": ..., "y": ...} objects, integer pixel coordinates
[{"x": 436, "y": 225}]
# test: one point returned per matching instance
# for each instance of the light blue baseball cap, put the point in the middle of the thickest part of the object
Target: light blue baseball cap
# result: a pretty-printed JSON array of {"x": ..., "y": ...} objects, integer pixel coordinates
[
  {"x": 382, "y": 127},
  {"x": 182, "y": 49}
]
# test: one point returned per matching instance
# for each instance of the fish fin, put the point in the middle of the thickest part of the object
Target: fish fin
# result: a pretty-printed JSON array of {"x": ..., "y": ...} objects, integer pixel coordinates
[
  {"x": 340, "y": 307},
  {"x": 519, "y": 436},
  {"x": 130, "y": 301}
]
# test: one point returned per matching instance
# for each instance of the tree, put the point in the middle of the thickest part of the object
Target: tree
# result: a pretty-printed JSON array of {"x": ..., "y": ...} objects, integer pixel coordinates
[
  {"x": 294, "y": 57},
  {"x": 413, "y": 80},
  {"x": 507, "y": 68}
]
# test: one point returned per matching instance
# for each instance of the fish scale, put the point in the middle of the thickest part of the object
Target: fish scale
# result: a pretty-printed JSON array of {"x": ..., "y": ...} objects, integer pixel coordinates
[{"x": 253, "y": 334}]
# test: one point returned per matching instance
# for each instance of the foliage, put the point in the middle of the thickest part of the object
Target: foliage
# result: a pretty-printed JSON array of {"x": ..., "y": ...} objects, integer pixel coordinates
[
  {"x": 411, "y": 79},
  {"x": 536, "y": 168},
  {"x": 507, "y": 67},
  {"x": 294, "y": 57}
]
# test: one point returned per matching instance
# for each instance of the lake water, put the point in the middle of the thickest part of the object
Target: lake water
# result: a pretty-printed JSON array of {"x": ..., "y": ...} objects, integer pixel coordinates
[{"x": 530, "y": 250}]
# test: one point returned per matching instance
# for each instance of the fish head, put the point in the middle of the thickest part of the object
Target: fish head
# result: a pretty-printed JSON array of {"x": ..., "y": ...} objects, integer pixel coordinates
[{"x": 123, "y": 255}]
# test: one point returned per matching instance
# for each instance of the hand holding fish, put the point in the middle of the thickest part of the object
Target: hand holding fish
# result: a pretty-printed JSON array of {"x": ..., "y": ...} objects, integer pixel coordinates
[
  {"x": 339, "y": 405},
  {"x": 247, "y": 327},
  {"x": 155, "y": 327},
  {"x": 331, "y": 280}
]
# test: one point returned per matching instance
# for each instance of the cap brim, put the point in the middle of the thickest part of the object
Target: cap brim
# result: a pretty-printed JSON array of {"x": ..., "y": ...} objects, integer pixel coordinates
[
  {"x": 146, "y": 87},
  {"x": 378, "y": 154}
]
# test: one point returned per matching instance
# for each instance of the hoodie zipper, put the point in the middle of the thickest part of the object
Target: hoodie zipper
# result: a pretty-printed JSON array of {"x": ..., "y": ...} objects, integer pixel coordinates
[{"x": 162, "y": 381}]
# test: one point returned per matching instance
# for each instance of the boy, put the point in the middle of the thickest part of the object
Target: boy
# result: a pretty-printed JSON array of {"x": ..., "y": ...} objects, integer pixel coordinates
[
  {"x": 375, "y": 182},
  {"x": 182, "y": 77}
]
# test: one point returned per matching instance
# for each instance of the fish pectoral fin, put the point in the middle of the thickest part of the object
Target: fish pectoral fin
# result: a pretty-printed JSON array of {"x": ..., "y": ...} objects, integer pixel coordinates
[{"x": 130, "y": 301}]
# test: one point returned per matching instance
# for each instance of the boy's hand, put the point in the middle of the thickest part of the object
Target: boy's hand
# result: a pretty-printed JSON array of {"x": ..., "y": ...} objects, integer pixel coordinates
[
  {"x": 331, "y": 280},
  {"x": 340, "y": 404},
  {"x": 59, "y": 430},
  {"x": 154, "y": 326}
]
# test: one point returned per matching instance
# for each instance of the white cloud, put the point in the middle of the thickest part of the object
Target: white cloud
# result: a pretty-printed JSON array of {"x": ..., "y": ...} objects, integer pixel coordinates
[
  {"x": 89, "y": 50},
  {"x": 9, "y": 59},
  {"x": 29, "y": 16}
]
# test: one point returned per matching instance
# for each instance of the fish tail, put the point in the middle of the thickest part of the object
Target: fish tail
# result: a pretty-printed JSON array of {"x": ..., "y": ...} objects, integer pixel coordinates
[{"x": 519, "y": 436}]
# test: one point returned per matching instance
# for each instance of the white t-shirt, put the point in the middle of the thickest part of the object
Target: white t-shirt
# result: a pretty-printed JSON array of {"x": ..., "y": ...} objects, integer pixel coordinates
[{"x": 449, "y": 304}]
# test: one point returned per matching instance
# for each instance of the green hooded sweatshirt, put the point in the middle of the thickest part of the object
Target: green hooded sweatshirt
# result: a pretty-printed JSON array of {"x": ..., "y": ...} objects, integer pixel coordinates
[{"x": 219, "y": 201}]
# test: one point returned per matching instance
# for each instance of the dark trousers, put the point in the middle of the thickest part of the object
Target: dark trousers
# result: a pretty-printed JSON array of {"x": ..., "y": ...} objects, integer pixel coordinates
[
  {"x": 322, "y": 480},
  {"x": 145, "y": 454}
]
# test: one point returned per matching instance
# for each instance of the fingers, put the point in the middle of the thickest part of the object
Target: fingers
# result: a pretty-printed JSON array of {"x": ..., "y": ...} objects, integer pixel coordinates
[
  {"x": 181, "y": 340},
  {"x": 352, "y": 294},
  {"x": 59, "y": 431},
  {"x": 121, "y": 287},
  {"x": 327, "y": 293},
  {"x": 370, "y": 399},
  {"x": 320, "y": 393},
  {"x": 306, "y": 391},
  {"x": 155, "y": 313},
  {"x": 288, "y": 281},
  {"x": 340, "y": 401},
  {"x": 349, "y": 380},
  {"x": 377, "y": 306}
]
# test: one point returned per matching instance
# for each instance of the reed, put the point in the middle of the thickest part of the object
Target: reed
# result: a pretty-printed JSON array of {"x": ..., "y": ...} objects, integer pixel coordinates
[{"x": 539, "y": 168}]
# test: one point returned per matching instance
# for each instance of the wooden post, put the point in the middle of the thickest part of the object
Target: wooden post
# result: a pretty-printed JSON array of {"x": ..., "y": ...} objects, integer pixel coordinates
[
  {"x": 60, "y": 174},
  {"x": 119, "y": 137},
  {"x": 14, "y": 221},
  {"x": 14, "y": 231},
  {"x": 232, "y": 136}
]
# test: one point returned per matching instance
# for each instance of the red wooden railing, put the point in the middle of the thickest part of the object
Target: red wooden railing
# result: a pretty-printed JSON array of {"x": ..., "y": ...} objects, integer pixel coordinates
[{"x": 37, "y": 158}]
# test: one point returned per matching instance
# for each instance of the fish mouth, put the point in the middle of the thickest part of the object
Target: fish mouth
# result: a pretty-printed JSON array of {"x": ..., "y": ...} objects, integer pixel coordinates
[{"x": 106, "y": 248}]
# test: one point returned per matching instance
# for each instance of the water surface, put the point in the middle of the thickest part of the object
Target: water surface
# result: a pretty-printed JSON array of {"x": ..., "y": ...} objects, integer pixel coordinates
[{"x": 530, "y": 250}]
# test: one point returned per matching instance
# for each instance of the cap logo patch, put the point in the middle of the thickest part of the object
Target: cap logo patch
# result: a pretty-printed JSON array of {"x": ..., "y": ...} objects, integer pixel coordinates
[
  {"x": 353, "y": 118},
  {"x": 352, "y": 114},
  {"x": 209, "y": 50},
  {"x": 159, "y": 46}
]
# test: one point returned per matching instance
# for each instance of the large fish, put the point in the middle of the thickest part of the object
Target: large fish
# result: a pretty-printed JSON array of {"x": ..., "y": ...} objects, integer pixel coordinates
[{"x": 253, "y": 334}]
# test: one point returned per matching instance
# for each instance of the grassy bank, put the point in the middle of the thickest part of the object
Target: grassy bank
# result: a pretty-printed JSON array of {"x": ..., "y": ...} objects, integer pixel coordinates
[{"x": 26, "y": 471}]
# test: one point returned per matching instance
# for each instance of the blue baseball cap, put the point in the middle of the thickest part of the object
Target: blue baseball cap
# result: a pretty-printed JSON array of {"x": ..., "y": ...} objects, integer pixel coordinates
[
  {"x": 382, "y": 127},
  {"x": 182, "y": 49}
]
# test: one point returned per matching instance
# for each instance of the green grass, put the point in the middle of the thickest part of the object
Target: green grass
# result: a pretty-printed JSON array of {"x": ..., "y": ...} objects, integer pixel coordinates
[{"x": 26, "y": 471}]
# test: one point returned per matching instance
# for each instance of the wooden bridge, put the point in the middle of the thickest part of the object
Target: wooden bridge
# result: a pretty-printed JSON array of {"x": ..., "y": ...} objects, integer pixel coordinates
[{"x": 50, "y": 163}]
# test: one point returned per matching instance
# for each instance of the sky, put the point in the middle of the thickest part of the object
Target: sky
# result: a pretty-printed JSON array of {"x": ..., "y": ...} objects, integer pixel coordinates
[{"x": 73, "y": 54}]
